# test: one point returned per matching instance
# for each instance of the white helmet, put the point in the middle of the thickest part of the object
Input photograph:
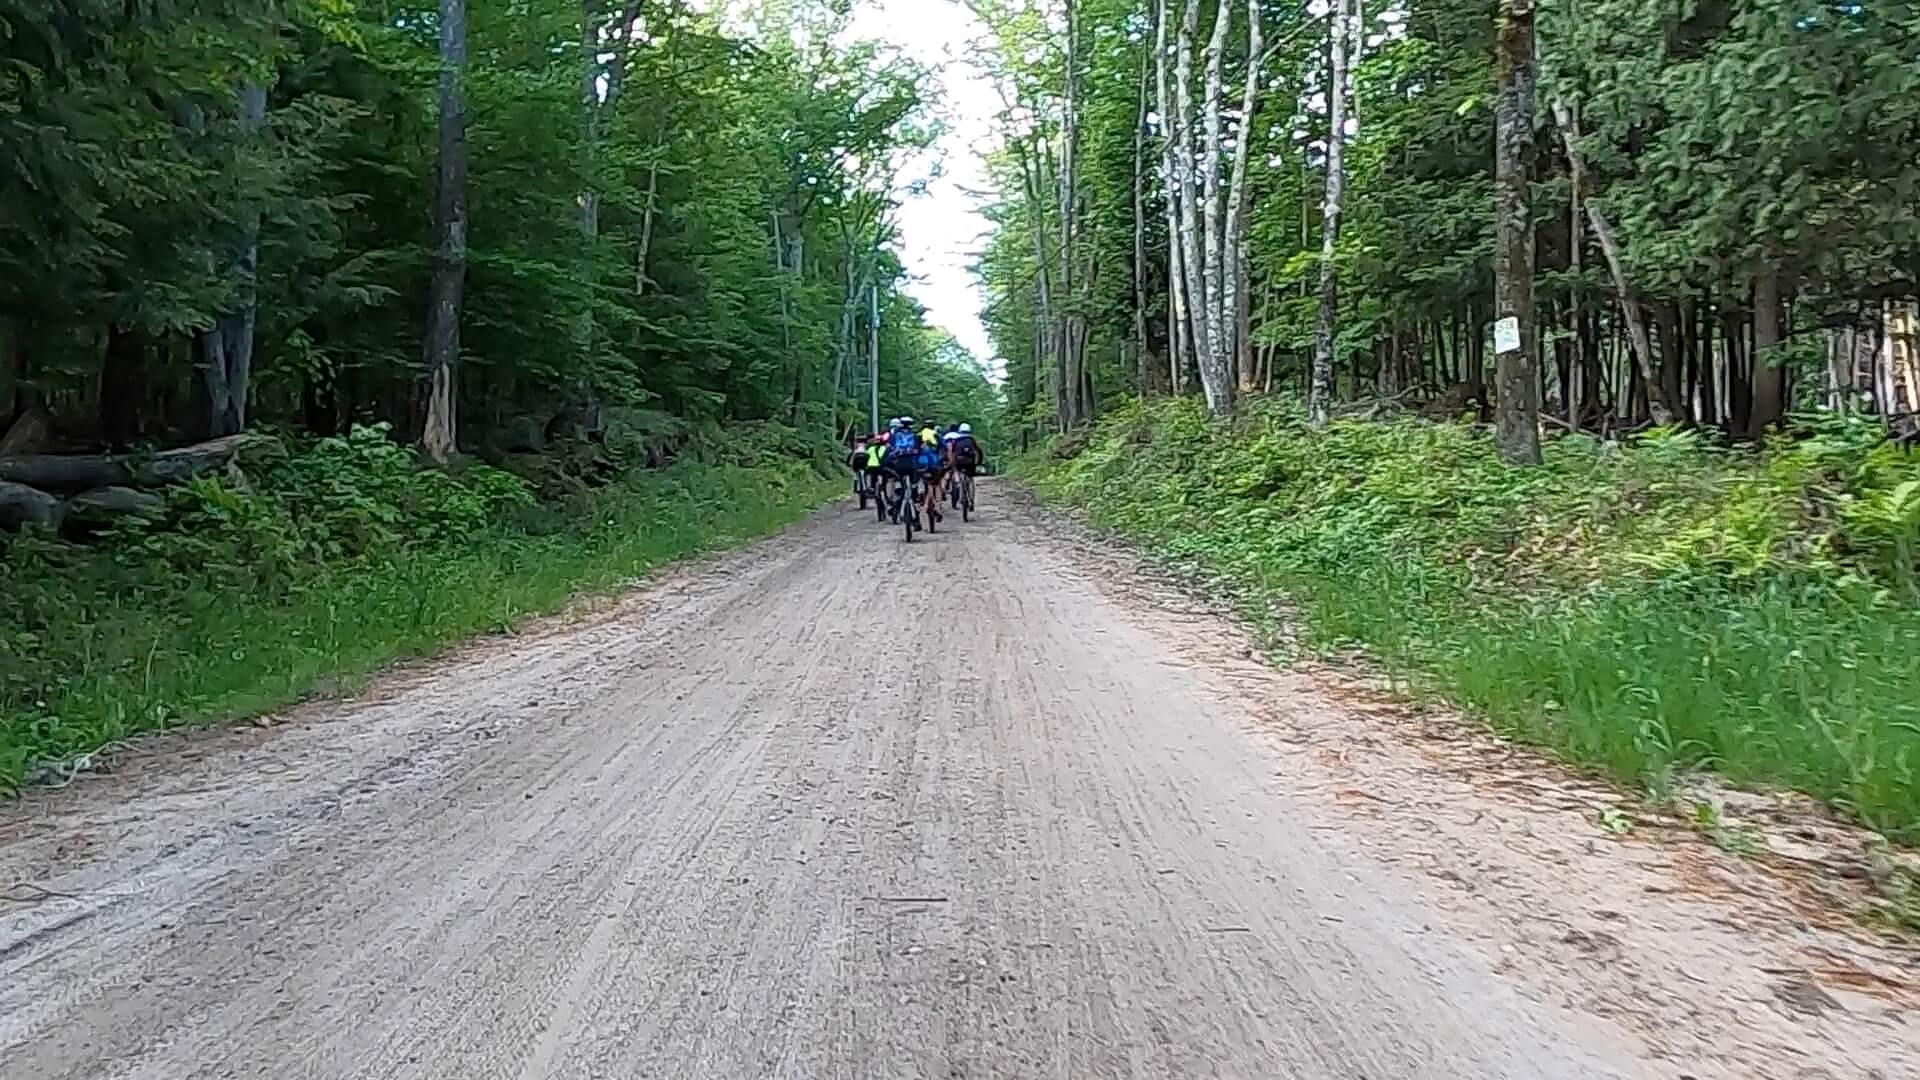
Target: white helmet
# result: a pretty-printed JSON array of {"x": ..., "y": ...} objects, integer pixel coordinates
[{"x": 966, "y": 429}]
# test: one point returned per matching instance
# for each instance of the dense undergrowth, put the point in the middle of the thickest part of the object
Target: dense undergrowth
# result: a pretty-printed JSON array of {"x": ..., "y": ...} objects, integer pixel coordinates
[
  {"x": 334, "y": 560},
  {"x": 1650, "y": 609}
]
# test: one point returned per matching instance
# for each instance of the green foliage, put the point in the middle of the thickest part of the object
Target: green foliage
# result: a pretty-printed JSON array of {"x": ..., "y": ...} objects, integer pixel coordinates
[
  {"x": 1728, "y": 145},
  {"x": 345, "y": 556},
  {"x": 741, "y": 185},
  {"x": 1648, "y": 609}
]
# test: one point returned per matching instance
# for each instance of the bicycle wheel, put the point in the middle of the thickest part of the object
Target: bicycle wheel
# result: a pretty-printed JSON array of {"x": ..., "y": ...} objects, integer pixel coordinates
[
  {"x": 880, "y": 496},
  {"x": 966, "y": 497}
]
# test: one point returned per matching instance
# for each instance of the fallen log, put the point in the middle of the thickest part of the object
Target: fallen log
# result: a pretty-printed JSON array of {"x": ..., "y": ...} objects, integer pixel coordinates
[
  {"x": 70, "y": 474},
  {"x": 66, "y": 473},
  {"x": 23, "y": 505},
  {"x": 179, "y": 466},
  {"x": 92, "y": 511}
]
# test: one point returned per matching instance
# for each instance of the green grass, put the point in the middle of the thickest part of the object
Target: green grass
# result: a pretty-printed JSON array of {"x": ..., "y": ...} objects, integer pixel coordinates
[
  {"x": 1647, "y": 611},
  {"x": 110, "y": 646}
]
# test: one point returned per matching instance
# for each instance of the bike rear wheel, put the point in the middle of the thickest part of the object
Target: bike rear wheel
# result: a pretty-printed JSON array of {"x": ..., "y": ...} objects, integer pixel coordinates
[{"x": 966, "y": 497}]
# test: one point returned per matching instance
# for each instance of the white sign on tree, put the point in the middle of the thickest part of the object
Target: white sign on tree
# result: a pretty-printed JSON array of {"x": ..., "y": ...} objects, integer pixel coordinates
[{"x": 1506, "y": 335}]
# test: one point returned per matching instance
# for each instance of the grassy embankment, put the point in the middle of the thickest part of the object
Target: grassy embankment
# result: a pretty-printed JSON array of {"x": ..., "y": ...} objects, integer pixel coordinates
[
  {"x": 1648, "y": 610},
  {"x": 339, "y": 559}
]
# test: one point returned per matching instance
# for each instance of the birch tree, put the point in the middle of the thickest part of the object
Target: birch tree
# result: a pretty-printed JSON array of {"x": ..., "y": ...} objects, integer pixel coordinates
[{"x": 1327, "y": 325}]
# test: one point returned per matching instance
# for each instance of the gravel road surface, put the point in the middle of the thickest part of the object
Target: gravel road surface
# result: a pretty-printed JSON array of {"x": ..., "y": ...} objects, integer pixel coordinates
[{"x": 735, "y": 825}]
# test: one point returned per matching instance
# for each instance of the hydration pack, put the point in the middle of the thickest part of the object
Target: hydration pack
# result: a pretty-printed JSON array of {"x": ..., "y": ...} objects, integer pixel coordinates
[{"x": 965, "y": 450}]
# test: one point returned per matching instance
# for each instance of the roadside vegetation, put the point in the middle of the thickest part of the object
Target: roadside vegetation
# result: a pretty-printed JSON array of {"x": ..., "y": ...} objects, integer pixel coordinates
[
  {"x": 1650, "y": 608},
  {"x": 338, "y": 559},
  {"x": 334, "y": 332}
]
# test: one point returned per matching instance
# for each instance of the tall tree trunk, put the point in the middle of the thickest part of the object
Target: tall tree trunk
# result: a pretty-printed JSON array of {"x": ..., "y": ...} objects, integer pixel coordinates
[
  {"x": 1192, "y": 261},
  {"x": 1233, "y": 235},
  {"x": 1733, "y": 329},
  {"x": 1576, "y": 378},
  {"x": 439, "y": 436},
  {"x": 1672, "y": 365},
  {"x": 123, "y": 386},
  {"x": 1517, "y": 406},
  {"x": 644, "y": 248},
  {"x": 226, "y": 347},
  {"x": 1180, "y": 330},
  {"x": 1326, "y": 326},
  {"x": 1145, "y": 372},
  {"x": 588, "y": 210},
  {"x": 1216, "y": 382},
  {"x": 1769, "y": 374},
  {"x": 1072, "y": 285},
  {"x": 1703, "y": 348},
  {"x": 873, "y": 355},
  {"x": 1044, "y": 333},
  {"x": 1179, "y": 339}
]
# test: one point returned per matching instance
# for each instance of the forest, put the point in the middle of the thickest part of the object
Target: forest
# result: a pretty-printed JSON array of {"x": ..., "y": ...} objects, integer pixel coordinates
[
  {"x": 486, "y": 228},
  {"x": 1718, "y": 201},
  {"x": 1558, "y": 356},
  {"x": 599, "y": 260}
]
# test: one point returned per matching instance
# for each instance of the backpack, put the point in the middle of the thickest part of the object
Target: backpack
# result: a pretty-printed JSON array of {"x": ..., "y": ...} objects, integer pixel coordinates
[
  {"x": 903, "y": 442},
  {"x": 965, "y": 450}
]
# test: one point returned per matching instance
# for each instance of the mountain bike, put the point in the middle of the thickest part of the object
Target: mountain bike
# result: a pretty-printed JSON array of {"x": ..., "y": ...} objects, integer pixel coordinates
[
  {"x": 963, "y": 494},
  {"x": 906, "y": 507}
]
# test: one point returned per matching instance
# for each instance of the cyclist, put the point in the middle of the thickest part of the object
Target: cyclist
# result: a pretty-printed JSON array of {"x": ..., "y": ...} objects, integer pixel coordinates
[
  {"x": 947, "y": 437},
  {"x": 931, "y": 465},
  {"x": 963, "y": 454},
  {"x": 857, "y": 461},
  {"x": 871, "y": 457},
  {"x": 965, "y": 449},
  {"x": 900, "y": 462}
]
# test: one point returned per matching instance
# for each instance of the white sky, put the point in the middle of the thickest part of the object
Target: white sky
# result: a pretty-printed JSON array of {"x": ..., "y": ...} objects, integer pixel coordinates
[{"x": 943, "y": 230}]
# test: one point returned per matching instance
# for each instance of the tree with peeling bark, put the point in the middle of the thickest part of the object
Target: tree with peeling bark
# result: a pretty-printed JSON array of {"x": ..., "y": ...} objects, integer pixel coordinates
[{"x": 439, "y": 435}]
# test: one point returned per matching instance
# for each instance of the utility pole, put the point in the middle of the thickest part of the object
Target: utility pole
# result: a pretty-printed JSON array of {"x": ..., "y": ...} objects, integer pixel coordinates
[
  {"x": 1516, "y": 421},
  {"x": 873, "y": 357}
]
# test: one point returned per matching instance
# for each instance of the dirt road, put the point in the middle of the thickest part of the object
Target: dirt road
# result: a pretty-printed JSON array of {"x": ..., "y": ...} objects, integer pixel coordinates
[{"x": 733, "y": 828}]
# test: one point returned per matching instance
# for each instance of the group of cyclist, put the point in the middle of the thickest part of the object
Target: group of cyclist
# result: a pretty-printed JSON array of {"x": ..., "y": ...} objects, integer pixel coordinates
[{"x": 909, "y": 468}]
